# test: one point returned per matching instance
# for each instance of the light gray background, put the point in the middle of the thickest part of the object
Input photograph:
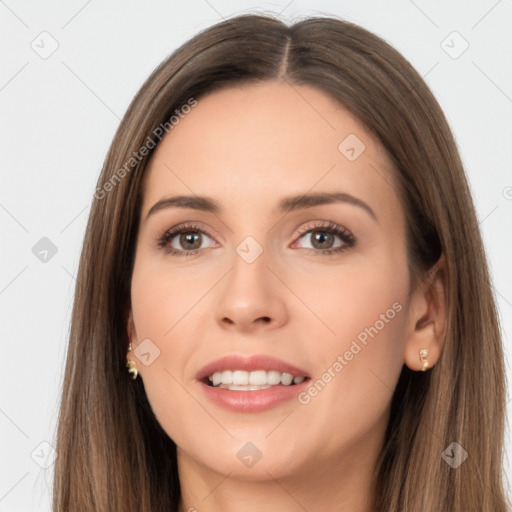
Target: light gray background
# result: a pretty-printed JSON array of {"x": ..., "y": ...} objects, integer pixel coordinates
[{"x": 58, "y": 115}]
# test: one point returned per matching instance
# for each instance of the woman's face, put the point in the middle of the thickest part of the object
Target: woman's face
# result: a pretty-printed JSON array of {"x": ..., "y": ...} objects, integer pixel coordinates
[{"x": 266, "y": 282}]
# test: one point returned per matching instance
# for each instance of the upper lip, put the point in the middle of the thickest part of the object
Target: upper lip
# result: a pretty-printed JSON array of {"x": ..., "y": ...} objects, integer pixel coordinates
[{"x": 249, "y": 363}]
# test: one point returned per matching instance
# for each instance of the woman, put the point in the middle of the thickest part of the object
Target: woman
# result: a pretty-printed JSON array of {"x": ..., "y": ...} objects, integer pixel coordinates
[{"x": 218, "y": 363}]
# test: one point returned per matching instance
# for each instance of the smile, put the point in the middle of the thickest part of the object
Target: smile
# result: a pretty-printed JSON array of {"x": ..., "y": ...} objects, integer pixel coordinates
[{"x": 251, "y": 383}]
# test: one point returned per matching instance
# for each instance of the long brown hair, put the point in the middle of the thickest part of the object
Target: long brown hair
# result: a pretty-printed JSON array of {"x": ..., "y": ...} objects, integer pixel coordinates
[{"x": 113, "y": 456}]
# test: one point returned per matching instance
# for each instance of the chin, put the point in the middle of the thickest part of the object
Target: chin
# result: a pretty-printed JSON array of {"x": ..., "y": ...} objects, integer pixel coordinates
[{"x": 247, "y": 457}]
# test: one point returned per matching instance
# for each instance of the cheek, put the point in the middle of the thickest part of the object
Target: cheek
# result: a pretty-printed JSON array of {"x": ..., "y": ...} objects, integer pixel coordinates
[
  {"x": 363, "y": 300},
  {"x": 164, "y": 309},
  {"x": 353, "y": 386},
  {"x": 167, "y": 299},
  {"x": 359, "y": 340}
]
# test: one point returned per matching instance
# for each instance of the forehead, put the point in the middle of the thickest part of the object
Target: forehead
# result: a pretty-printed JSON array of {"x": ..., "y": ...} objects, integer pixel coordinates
[{"x": 267, "y": 139}]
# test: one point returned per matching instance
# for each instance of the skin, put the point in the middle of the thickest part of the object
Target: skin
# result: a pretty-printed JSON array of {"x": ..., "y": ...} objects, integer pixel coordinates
[{"x": 247, "y": 147}]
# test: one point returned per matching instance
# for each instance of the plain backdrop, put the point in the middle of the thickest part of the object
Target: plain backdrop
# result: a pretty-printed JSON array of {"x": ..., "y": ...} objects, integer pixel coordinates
[{"x": 68, "y": 72}]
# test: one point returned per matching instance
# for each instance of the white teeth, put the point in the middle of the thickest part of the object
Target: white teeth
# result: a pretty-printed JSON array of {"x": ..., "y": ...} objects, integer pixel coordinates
[
  {"x": 259, "y": 379},
  {"x": 286, "y": 378},
  {"x": 227, "y": 377},
  {"x": 273, "y": 377},
  {"x": 240, "y": 378}
]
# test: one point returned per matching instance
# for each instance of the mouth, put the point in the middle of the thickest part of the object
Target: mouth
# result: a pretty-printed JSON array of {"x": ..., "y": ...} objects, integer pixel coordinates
[
  {"x": 243, "y": 380},
  {"x": 251, "y": 383}
]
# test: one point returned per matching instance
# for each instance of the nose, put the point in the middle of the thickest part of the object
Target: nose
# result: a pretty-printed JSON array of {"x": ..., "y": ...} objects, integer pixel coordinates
[{"x": 251, "y": 297}]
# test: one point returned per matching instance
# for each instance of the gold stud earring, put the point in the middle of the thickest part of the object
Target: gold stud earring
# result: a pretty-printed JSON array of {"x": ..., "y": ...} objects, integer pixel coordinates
[
  {"x": 423, "y": 358},
  {"x": 132, "y": 369}
]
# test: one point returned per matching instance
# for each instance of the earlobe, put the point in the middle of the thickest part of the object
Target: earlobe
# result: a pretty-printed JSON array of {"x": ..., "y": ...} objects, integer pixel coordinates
[{"x": 427, "y": 320}]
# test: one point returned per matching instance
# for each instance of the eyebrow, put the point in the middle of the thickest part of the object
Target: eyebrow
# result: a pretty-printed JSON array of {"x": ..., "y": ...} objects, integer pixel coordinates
[{"x": 286, "y": 205}]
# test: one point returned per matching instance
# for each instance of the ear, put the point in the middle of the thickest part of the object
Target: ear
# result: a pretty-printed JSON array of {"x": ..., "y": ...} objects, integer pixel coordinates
[{"x": 427, "y": 318}]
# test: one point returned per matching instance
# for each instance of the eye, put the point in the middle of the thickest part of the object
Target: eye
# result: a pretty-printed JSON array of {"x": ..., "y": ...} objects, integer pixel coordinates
[
  {"x": 323, "y": 238},
  {"x": 189, "y": 241}
]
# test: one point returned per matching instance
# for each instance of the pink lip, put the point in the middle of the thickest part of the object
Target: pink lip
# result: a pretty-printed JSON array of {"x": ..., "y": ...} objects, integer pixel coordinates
[{"x": 251, "y": 401}]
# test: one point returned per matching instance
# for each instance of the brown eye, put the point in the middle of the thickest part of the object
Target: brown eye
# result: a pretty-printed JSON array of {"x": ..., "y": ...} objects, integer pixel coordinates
[
  {"x": 323, "y": 238},
  {"x": 190, "y": 240},
  {"x": 183, "y": 240}
]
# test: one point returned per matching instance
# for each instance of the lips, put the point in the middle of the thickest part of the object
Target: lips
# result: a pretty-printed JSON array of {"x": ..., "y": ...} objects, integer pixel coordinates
[{"x": 251, "y": 398}]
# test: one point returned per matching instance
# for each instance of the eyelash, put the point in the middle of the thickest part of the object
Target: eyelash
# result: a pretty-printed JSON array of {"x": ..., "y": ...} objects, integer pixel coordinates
[{"x": 344, "y": 234}]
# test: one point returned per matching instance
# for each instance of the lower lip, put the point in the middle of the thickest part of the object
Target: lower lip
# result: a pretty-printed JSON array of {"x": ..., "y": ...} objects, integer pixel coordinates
[{"x": 252, "y": 401}]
